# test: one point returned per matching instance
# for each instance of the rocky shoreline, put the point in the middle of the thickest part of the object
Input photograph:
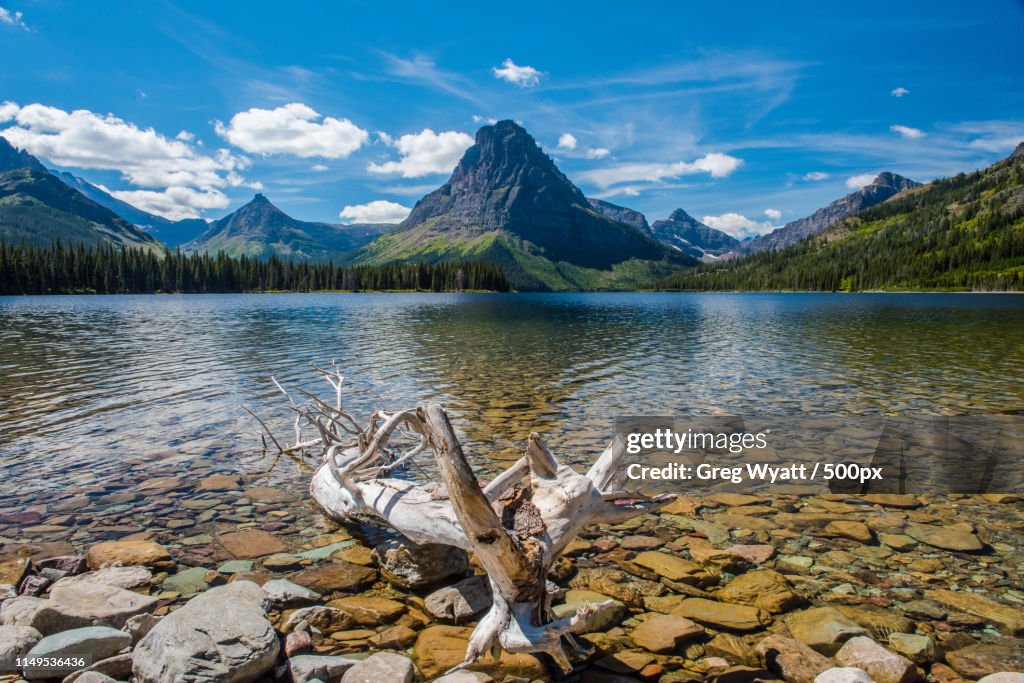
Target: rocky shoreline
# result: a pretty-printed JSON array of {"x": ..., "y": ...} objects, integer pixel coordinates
[{"x": 217, "y": 578}]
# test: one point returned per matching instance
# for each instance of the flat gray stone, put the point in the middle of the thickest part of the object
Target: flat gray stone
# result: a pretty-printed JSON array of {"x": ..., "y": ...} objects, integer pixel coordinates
[
  {"x": 380, "y": 667},
  {"x": 308, "y": 668},
  {"x": 93, "y": 642},
  {"x": 284, "y": 593}
]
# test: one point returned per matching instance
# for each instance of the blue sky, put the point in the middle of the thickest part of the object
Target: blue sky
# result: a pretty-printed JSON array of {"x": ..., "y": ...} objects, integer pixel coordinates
[{"x": 749, "y": 114}]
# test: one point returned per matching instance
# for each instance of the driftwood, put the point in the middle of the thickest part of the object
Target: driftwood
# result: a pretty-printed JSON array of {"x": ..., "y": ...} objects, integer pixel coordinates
[{"x": 517, "y": 525}]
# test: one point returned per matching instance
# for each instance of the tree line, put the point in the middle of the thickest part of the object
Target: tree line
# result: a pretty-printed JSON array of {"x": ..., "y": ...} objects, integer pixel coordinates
[{"x": 109, "y": 269}]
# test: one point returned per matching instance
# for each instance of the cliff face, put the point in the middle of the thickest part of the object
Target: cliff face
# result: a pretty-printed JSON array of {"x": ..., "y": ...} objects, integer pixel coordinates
[{"x": 689, "y": 235}]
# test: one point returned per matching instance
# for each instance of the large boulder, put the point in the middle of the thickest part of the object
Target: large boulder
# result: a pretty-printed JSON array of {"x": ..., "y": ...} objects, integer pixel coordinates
[
  {"x": 409, "y": 566},
  {"x": 220, "y": 636},
  {"x": 76, "y": 606},
  {"x": 14, "y": 642}
]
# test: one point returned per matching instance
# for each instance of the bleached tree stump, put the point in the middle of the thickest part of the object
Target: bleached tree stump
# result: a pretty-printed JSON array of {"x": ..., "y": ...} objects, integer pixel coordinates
[{"x": 518, "y": 525}]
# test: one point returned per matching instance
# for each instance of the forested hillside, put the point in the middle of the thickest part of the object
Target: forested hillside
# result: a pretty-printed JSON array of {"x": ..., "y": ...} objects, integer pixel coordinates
[{"x": 959, "y": 233}]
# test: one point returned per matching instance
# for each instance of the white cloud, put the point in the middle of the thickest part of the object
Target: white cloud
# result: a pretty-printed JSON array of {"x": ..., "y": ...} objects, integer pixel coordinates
[
  {"x": 774, "y": 214},
  {"x": 8, "y": 110},
  {"x": 567, "y": 141},
  {"x": 12, "y": 18},
  {"x": 737, "y": 225},
  {"x": 716, "y": 164},
  {"x": 907, "y": 131},
  {"x": 900, "y": 92},
  {"x": 523, "y": 76},
  {"x": 597, "y": 153},
  {"x": 858, "y": 181},
  {"x": 294, "y": 128},
  {"x": 377, "y": 211},
  {"x": 319, "y": 168},
  {"x": 185, "y": 136},
  {"x": 174, "y": 203},
  {"x": 815, "y": 176},
  {"x": 145, "y": 158},
  {"x": 484, "y": 119},
  {"x": 424, "y": 153}
]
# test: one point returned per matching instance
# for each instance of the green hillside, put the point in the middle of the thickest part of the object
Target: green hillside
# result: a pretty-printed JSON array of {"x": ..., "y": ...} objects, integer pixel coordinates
[
  {"x": 959, "y": 233},
  {"x": 38, "y": 208},
  {"x": 522, "y": 262}
]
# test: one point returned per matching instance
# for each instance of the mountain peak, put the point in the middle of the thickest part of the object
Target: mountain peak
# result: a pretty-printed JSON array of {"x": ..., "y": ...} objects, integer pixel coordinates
[
  {"x": 12, "y": 158},
  {"x": 894, "y": 180},
  {"x": 681, "y": 215},
  {"x": 1019, "y": 152},
  {"x": 260, "y": 198}
]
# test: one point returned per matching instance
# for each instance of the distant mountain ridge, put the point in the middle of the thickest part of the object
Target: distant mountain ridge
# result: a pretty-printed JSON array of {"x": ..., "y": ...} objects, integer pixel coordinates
[
  {"x": 260, "y": 230},
  {"x": 38, "y": 208},
  {"x": 885, "y": 186},
  {"x": 507, "y": 202},
  {"x": 686, "y": 233},
  {"x": 622, "y": 214},
  {"x": 965, "y": 232}
]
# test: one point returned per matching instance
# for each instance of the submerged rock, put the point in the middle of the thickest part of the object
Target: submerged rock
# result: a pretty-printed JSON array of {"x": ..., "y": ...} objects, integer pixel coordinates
[
  {"x": 220, "y": 636},
  {"x": 824, "y": 629},
  {"x": 663, "y": 633},
  {"x": 791, "y": 659},
  {"x": 121, "y": 553}
]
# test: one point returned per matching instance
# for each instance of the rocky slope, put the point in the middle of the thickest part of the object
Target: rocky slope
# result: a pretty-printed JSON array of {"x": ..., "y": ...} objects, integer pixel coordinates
[
  {"x": 260, "y": 230},
  {"x": 507, "y": 202},
  {"x": 885, "y": 186},
  {"x": 622, "y": 214},
  {"x": 685, "y": 233}
]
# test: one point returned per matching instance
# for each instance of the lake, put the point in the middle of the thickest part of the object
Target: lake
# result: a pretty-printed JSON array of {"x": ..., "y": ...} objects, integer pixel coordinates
[{"x": 98, "y": 392}]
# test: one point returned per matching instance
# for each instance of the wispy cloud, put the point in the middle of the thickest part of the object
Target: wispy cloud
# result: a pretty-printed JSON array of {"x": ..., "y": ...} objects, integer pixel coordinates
[
  {"x": 424, "y": 71},
  {"x": 907, "y": 131},
  {"x": 899, "y": 92},
  {"x": 10, "y": 18},
  {"x": 716, "y": 164},
  {"x": 815, "y": 176}
]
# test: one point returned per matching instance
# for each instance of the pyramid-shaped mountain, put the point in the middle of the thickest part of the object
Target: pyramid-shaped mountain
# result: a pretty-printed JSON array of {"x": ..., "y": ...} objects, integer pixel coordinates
[
  {"x": 260, "y": 230},
  {"x": 689, "y": 235},
  {"x": 508, "y": 203}
]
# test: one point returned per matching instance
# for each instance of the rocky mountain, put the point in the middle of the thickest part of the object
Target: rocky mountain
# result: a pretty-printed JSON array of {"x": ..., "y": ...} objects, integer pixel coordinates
[
  {"x": 622, "y": 214},
  {"x": 171, "y": 233},
  {"x": 259, "y": 230},
  {"x": 507, "y": 202},
  {"x": 37, "y": 208},
  {"x": 687, "y": 234},
  {"x": 883, "y": 187},
  {"x": 12, "y": 158},
  {"x": 960, "y": 233}
]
